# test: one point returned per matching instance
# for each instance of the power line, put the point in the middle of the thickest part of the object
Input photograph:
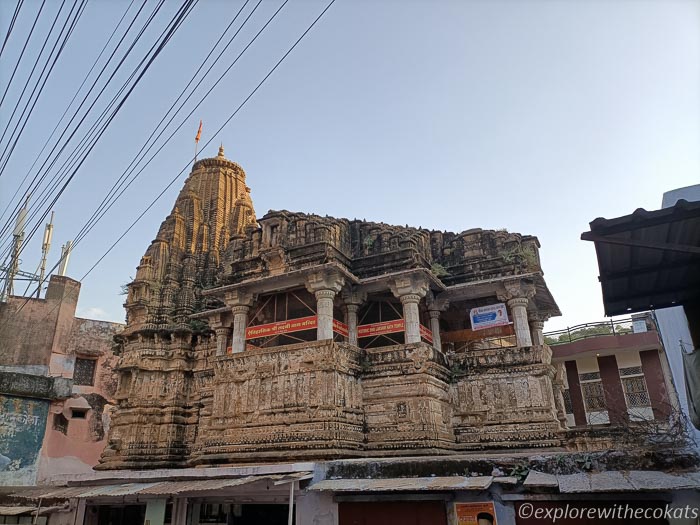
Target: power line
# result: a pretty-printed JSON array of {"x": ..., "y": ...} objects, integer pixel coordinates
[
  {"x": 167, "y": 187},
  {"x": 27, "y": 110},
  {"x": 12, "y": 25},
  {"x": 29, "y": 36},
  {"x": 53, "y": 132},
  {"x": 119, "y": 185},
  {"x": 165, "y": 37},
  {"x": 33, "y": 185}
]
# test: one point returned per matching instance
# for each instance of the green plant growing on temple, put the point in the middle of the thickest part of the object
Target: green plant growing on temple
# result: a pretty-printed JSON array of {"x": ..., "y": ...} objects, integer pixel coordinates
[
  {"x": 438, "y": 270},
  {"x": 521, "y": 255},
  {"x": 520, "y": 471}
]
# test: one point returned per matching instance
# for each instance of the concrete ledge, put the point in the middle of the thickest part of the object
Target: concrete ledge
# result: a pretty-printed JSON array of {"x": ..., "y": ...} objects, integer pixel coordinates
[{"x": 40, "y": 387}]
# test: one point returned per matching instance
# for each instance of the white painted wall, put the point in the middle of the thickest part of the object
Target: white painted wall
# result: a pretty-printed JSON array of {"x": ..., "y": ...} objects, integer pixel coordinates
[{"x": 672, "y": 322}]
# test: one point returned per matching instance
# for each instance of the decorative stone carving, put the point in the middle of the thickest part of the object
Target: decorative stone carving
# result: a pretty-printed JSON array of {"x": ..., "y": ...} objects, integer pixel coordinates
[{"x": 184, "y": 401}]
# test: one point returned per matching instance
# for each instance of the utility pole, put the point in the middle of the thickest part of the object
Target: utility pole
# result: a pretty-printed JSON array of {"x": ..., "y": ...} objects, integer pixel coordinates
[{"x": 17, "y": 239}]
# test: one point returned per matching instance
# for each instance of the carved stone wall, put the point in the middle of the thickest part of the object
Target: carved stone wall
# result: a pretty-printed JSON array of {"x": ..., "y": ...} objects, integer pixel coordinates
[
  {"x": 183, "y": 400},
  {"x": 302, "y": 400}
]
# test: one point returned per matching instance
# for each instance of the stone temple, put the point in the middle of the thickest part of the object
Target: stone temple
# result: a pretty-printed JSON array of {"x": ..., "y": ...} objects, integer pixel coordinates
[{"x": 300, "y": 337}]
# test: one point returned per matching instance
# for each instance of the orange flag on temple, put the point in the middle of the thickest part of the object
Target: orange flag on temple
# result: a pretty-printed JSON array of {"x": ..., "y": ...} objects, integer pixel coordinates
[{"x": 199, "y": 132}]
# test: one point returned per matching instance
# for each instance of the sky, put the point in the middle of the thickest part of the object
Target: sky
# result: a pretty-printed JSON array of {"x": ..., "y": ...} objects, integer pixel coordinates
[{"x": 534, "y": 116}]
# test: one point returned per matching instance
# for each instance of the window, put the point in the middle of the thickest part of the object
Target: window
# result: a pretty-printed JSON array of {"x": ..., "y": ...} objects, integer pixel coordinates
[
  {"x": 593, "y": 395},
  {"x": 78, "y": 413},
  {"x": 84, "y": 372},
  {"x": 60, "y": 423},
  {"x": 636, "y": 392}
]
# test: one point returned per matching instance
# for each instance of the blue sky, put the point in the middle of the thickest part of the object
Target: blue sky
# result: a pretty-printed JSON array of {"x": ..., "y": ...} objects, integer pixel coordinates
[{"x": 535, "y": 116}]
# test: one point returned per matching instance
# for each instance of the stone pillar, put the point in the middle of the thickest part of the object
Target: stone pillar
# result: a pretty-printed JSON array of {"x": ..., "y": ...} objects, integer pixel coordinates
[
  {"x": 240, "y": 323},
  {"x": 435, "y": 328},
  {"x": 536, "y": 329},
  {"x": 411, "y": 317},
  {"x": 352, "y": 322},
  {"x": 221, "y": 338},
  {"x": 435, "y": 307},
  {"x": 517, "y": 295},
  {"x": 410, "y": 290},
  {"x": 324, "y": 312},
  {"x": 518, "y": 308},
  {"x": 240, "y": 302},
  {"x": 353, "y": 300},
  {"x": 324, "y": 285}
]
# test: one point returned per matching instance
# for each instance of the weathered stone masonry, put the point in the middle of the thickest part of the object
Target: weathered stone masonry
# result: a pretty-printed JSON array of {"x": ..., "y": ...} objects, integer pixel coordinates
[{"x": 299, "y": 336}]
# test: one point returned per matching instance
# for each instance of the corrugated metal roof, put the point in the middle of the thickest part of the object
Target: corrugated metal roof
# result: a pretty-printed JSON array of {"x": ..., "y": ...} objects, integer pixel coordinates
[
  {"x": 648, "y": 259},
  {"x": 14, "y": 511},
  {"x": 125, "y": 489},
  {"x": 404, "y": 484},
  {"x": 156, "y": 487},
  {"x": 181, "y": 487}
]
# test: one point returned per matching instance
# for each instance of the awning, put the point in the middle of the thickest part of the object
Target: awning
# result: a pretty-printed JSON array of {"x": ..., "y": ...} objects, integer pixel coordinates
[
  {"x": 436, "y": 483},
  {"x": 15, "y": 511},
  {"x": 649, "y": 259},
  {"x": 160, "y": 488}
]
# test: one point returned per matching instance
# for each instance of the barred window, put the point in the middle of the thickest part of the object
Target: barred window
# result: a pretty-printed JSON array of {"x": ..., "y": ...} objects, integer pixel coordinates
[
  {"x": 631, "y": 371},
  {"x": 568, "y": 406},
  {"x": 589, "y": 376},
  {"x": 593, "y": 396},
  {"x": 84, "y": 372},
  {"x": 636, "y": 392}
]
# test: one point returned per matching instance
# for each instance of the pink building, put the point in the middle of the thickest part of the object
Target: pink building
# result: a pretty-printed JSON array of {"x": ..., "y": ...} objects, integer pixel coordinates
[{"x": 56, "y": 386}]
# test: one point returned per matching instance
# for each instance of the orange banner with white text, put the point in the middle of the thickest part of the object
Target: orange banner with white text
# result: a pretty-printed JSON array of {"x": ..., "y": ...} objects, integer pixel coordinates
[
  {"x": 281, "y": 327},
  {"x": 386, "y": 327}
]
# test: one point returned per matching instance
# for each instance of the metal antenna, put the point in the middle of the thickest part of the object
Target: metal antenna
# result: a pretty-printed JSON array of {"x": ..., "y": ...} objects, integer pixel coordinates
[
  {"x": 65, "y": 255},
  {"x": 45, "y": 247}
]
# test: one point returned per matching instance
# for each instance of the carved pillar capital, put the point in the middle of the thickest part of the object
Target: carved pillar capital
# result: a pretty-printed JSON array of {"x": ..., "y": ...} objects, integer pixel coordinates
[
  {"x": 410, "y": 298},
  {"x": 409, "y": 285},
  {"x": 352, "y": 308},
  {"x": 434, "y": 314},
  {"x": 353, "y": 297},
  {"x": 516, "y": 288},
  {"x": 325, "y": 280},
  {"x": 538, "y": 316},
  {"x": 239, "y": 297},
  {"x": 240, "y": 309},
  {"x": 518, "y": 301},
  {"x": 325, "y": 294},
  {"x": 436, "y": 304}
]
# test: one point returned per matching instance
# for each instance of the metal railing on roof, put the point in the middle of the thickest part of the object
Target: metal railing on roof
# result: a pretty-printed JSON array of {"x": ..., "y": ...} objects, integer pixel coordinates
[{"x": 587, "y": 330}]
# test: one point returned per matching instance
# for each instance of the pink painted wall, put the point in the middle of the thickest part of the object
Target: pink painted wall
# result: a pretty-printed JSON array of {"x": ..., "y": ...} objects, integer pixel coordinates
[{"x": 74, "y": 444}]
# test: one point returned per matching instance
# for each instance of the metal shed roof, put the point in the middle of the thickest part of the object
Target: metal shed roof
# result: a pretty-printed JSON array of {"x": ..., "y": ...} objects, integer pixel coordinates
[{"x": 648, "y": 259}]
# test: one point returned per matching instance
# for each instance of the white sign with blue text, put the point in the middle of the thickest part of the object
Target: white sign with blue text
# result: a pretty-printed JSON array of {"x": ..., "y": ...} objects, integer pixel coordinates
[{"x": 488, "y": 316}]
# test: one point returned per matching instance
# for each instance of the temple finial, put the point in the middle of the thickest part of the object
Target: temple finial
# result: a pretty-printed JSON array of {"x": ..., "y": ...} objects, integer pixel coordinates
[{"x": 221, "y": 150}]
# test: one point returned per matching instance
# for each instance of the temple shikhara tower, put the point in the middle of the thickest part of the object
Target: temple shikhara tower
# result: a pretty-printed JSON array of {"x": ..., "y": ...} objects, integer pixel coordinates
[{"x": 299, "y": 337}]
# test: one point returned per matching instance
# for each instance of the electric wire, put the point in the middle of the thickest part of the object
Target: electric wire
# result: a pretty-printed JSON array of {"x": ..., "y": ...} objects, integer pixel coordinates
[
  {"x": 156, "y": 49},
  {"x": 24, "y": 48},
  {"x": 122, "y": 186},
  {"x": 12, "y": 25},
  {"x": 34, "y": 184},
  {"x": 65, "y": 112},
  {"x": 28, "y": 110},
  {"x": 167, "y": 187}
]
